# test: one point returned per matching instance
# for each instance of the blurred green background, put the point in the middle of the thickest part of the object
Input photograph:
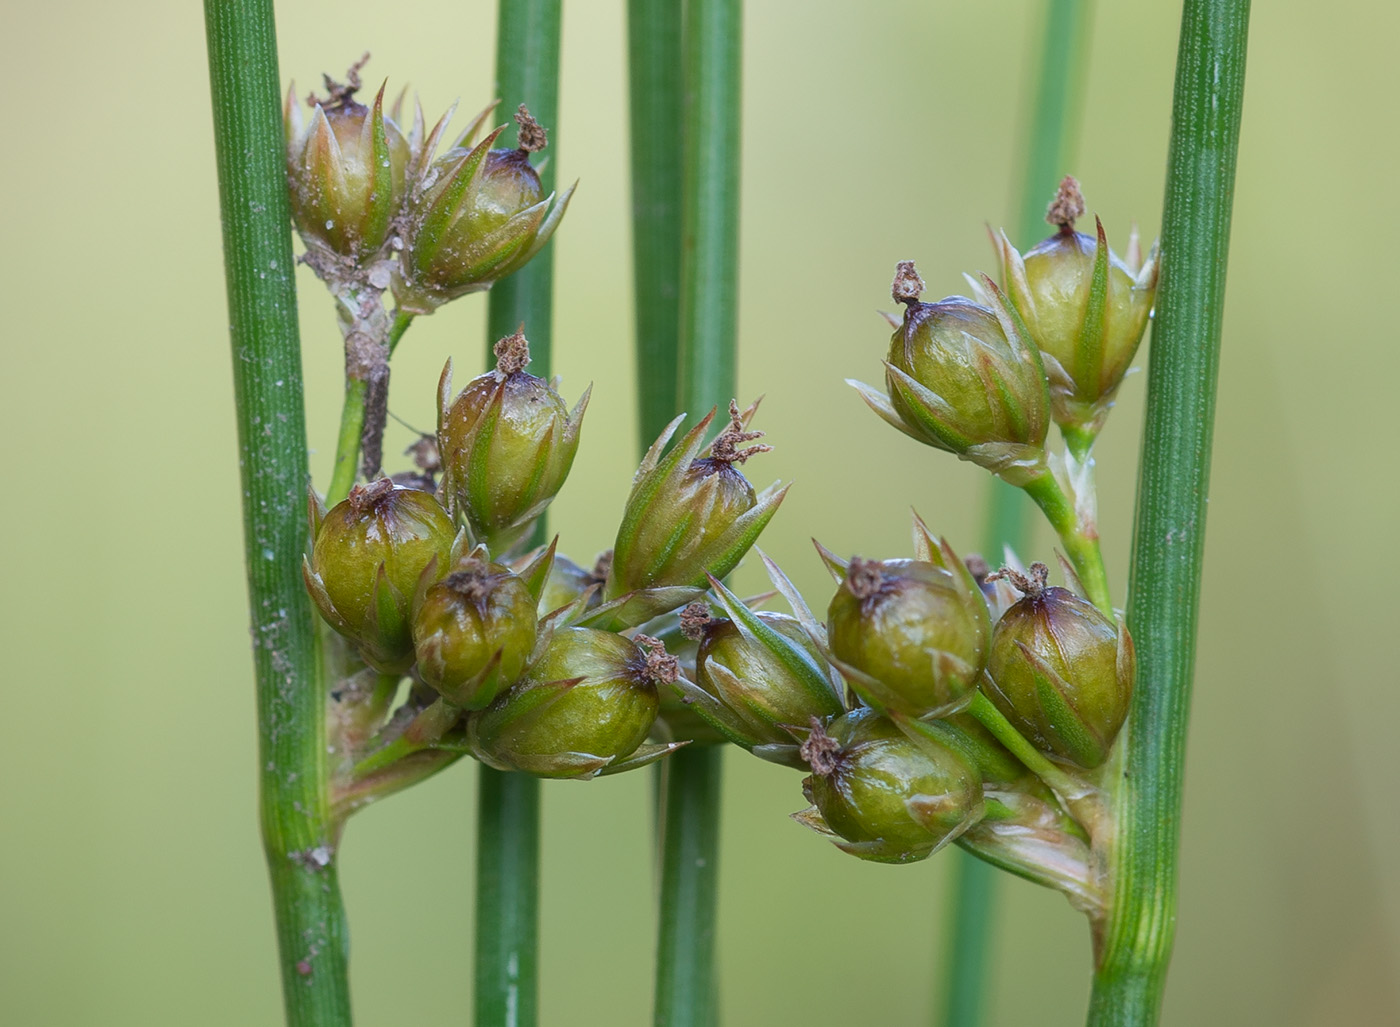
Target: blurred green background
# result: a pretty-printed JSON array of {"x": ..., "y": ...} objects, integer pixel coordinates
[{"x": 132, "y": 888}]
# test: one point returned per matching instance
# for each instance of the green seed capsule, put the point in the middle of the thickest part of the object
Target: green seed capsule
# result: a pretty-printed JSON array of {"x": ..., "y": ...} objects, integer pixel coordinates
[
  {"x": 507, "y": 444},
  {"x": 690, "y": 515},
  {"x": 346, "y": 172},
  {"x": 369, "y": 554},
  {"x": 914, "y": 633},
  {"x": 1086, "y": 309},
  {"x": 588, "y": 701},
  {"x": 888, "y": 797},
  {"x": 473, "y": 216},
  {"x": 473, "y": 633},
  {"x": 1061, "y": 672}
]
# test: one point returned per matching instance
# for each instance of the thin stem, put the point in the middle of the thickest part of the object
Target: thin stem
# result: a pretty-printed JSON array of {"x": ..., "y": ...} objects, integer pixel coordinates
[
  {"x": 1169, "y": 535},
  {"x": 508, "y": 804},
  {"x": 1081, "y": 541},
  {"x": 654, "y": 70},
  {"x": 298, "y": 830},
  {"x": 1068, "y": 789},
  {"x": 507, "y": 899},
  {"x": 527, "y": 71},
  {"x": 685, "y": 986},
  {"x": 347, "y": 442},
  {"x": 1051, "y": 129},
  {"x": 402, "y": 319},
  {"x": 685, "y": 951}
]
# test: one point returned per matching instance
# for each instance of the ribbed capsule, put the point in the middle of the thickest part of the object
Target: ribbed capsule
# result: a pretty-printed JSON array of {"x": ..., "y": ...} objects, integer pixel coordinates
[
  {"x": 474, "y": 215},
  {"x": 963, "y": 376},
  {"x": 584, "y": 706},
  {"x": 883, "y": 795},
  {"x": 346, "y": 173},
  {"x": 507, "y": 443},
  {"x": 368, "y": 557},
  {"x": 473, "y": 632},
  {"x": 910, "y": 635},
  {"x": 1085, "y": 307},
  {"x": 1061, "y": 672},
  {"x": 689, "y": 514}
]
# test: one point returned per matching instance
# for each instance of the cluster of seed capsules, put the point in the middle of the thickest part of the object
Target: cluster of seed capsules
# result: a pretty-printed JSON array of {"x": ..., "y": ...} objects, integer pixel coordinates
[{"x": 528, "y": 662}]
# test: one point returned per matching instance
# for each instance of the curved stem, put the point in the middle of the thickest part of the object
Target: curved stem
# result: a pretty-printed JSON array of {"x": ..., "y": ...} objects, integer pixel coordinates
[
  {"x": 299, "y": 830},
  {"x": 1068, "y": 789},
  {"x": 401, "y": 320},
  {"x": 1081, "y": 541},
  {"x": 1169, "y": 536},
  {"x": 347, "y": 442}
]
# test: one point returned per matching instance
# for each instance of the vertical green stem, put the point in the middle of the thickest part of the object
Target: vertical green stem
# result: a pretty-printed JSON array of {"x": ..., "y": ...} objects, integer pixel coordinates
[
  {"x": 1052, "y": 120},
  {"x": 508, "y": 804},
  {"x": 527, "y": 71},
  {"x": 1169, "y": 535},
  {"x": 685, "y": 986},
  {"x": 298, "y": 833},
  {"x": 657, "y": 109}
]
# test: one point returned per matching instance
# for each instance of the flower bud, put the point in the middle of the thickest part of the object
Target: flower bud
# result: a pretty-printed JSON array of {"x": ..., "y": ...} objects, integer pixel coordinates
[
  {"x": 473, "y": 632},
  {"x": 884, "y": 795},
  {"x": 346, "y": 171},
  {"x": 584, "y": 706},
  {"x": 964, "y": 377},
  {"x": 756, "y": 675},
  {"x": 689, "y": 515},
  {"x": 474, "y": 216},
  {"x": 1061, "y": 672},
  {"x": 369, "y": 554},
  {"x": 1086, "y": 309},
  {"x": 910, "y": 636},
  {"x": 507, "y": 444}
]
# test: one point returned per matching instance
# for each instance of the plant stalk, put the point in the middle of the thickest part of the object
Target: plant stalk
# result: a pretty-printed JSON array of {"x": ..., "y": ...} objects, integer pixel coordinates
[
  {"x": 657, "y": 109},
  {"x": 508, "y": 803},
  {"x": 1169, "y": 535},
  {"x": 299, "y": 833},
  {"x": 1051, "y": 130},
  {"x": 686, "y": 995}
]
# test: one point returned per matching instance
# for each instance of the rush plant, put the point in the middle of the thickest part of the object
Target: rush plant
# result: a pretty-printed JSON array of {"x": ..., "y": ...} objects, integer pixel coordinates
[{"x": 403, "y": 621}]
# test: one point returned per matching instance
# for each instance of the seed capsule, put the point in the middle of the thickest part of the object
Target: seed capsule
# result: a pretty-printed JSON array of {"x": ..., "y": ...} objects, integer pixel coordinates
[
  {"x": 909, "y": 635},
  {"x": 1086, "y": 309},
  {"x": 585, "y": 705},
  {"x": 473, "y": 632},
  {"x": 886, "y": 796},
  {"x": 507, "y": 444},
  {"x": 689, "y": 515},
  {"x": 1061, "y": 672},
  {"x": 369, "y": 554}
]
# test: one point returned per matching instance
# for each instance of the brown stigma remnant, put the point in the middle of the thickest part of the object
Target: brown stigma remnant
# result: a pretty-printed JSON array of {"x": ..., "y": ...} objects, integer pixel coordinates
[
  {"x": 725, "y": 449},
  {"x": 820, "y": 750},
  {"x": 365, "y": 497},
  {"x": 1030, "y": 584},
  {"x": 512, "y": 353},
  {"x": 1068, "y": 205},
  {"x": 864, "y": 577},
  {"x": 340, "y": 95},
  {"x": 661, "y": 667},
  {"x": 532, "y": 135},
  {"x": 907, "y": 286},
  {"x": 695, "y": 618}
]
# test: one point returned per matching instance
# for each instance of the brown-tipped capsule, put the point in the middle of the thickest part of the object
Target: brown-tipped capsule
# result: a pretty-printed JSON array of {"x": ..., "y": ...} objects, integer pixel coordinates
[
  {"x": 584, "y": 706},
  {"x": 473, "y": 632},
  {"x": 910, "y": 636},
  {"x": 369, "y": 554},
  {"x": 690, "y": 515},
  {"x": 506, "y": 445},
  {"x": 884, "y": 795},
  {"x": 1086, "y": 309},
  {"x": 474, "y": 215},
  {"x": 346, "y": 171},
  {"x": 1061, "y": 672}
]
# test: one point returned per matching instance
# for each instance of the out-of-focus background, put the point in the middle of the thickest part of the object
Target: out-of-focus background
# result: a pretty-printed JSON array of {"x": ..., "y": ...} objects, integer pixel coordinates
[{"x": 132, "y": 888}]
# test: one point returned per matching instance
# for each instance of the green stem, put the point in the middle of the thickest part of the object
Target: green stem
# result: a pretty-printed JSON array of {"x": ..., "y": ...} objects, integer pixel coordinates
[
  {"x": 685, "y": 949},
  {"x": 507, "y": 899},
  {"x": 686, "y": 995},
  {"x": 508, "y": 804},
  {"x": 1068, "y": 789},
  {"x": 347, "y": 442},
  {"x": 402, "y": 319},
  {"x": 1169, "y": 534},
  {"x": 1081, "y": 541},
  {"x": 1051, "y": 129},
  {"x": 298, "y": 830},
  {"x": 527, "y": 71},
  {"x": 655, "y": 90}
]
